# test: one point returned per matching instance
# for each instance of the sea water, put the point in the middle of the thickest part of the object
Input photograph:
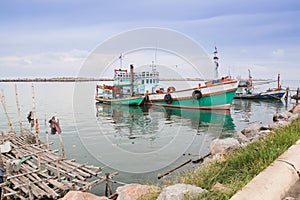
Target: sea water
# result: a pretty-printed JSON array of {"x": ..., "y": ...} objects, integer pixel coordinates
[{"x": 139, "y": 142}]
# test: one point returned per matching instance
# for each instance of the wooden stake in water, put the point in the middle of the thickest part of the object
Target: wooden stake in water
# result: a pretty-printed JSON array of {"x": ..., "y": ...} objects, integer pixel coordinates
[
  {"x": 47, "y": 140},
  {"x": 62, "y": 146},
  {"x": 10, "y": 126},
  {"x": 33, "y": 108},
  {"x": 19, "y": 110},
  {"x": 298, "y": 91},
  {"x": 59, "y": 136}
]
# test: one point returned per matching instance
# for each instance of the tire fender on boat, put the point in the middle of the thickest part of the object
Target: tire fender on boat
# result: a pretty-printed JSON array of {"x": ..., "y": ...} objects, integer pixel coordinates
[
  {"x": 197, "y": 94},
  {"x": 168, "y": 98}
]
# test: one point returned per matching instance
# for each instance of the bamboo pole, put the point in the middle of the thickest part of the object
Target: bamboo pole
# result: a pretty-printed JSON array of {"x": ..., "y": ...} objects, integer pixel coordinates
[
  {"x": 47, "y": 140},
  {"x": 10, "y": 126},
  {"x": 107, "y": 187},
  {"x": 29, "y": 191},
  {"x": 172, "y": 170},
  {"x": 2, "y": 134},
  {"x": 33, "y": 102},
  {"x": 2, "y": 188},
  {"x": 62, "y": 146},
  {"x": 298, "y": 91},
  {"x": 19, "y": 110}
]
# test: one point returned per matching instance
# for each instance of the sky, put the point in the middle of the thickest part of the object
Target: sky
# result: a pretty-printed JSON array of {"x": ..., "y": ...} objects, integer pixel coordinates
[{"x": 53, "y": 38}]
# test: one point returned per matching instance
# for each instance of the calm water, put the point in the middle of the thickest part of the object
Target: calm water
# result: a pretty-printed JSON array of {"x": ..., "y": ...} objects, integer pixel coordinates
[{"x": 139, "y": 142}]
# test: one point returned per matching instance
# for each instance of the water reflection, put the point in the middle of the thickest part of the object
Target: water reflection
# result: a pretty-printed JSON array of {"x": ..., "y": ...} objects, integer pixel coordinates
[
  {"x": 246, "y": 112},
  {"x": 151, "y": 123},
  {"x": 202, "y": 120}
]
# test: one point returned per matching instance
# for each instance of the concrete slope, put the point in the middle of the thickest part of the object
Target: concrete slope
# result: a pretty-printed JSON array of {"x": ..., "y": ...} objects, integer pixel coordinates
[{"x": 273, "y": 182}]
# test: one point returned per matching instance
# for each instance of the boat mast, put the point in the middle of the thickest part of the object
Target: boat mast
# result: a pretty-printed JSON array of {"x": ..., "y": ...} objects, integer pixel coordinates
[
  {"x": 278, "y": 82},
  {"x": 216, "y": 61},
  {"x": 249, "y": 78},
  {"x": 131, "y": 80}
]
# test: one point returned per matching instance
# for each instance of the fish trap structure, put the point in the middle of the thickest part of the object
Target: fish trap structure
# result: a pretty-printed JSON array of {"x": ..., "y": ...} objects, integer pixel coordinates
[
  {"x": 34, "y": 172},
  {"x": 30, "y": 169}
]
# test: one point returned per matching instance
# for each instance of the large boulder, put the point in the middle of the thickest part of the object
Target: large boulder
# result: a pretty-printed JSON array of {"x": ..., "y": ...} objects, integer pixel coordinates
[
  {"x": 180, "y": 192},
  {"x": 78, "y": 195},
  {"x": 261, "y": 134},
  {"x": 251, "y": 131},
  {"x": 221, "y": 145},
  {"x": 242, "y": 138},
  {"x": 135, "y": 191}
]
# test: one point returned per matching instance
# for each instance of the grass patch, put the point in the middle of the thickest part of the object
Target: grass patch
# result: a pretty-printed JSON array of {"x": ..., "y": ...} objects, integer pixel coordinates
[{"x": 241, "y": 166}]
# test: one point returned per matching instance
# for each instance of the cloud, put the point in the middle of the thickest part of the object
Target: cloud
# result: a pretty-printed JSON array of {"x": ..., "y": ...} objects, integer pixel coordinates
[
  {"x": 278, "y": 52},
  {"x": 253, "y": 32},
  {"x": 43, "y": 64}
]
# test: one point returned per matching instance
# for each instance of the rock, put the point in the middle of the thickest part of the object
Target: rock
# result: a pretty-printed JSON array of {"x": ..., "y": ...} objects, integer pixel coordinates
[
  {"x": 295, "y": 109},
  {"x": 289, "y": 198},
  {"x": 251, "y": 131},
  {"x": 179, "y": 192},
  {"x": 283, "y": 123},
  {"x": 220, "y": 187},
  {"x": 261, "y": 134},
  {"x": 78, "y": 195},
  {"x": 285, "y": 115},
  {"x": 135, "y": 191},
  {"x": 242, "y": 138},
  {"x": 275, "y": 117},
  {"x": 221, "y": 145},
  {"x": 293, "y": 117},
  {"x": 264, "y": 128}
]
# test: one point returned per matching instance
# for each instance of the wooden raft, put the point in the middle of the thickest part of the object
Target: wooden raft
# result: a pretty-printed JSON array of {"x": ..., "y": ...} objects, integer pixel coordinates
[{"x": 43, "y": 173}]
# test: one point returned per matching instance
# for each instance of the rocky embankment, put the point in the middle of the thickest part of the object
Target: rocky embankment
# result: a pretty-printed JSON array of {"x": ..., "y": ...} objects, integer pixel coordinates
[{"x": 218, "y": 148}]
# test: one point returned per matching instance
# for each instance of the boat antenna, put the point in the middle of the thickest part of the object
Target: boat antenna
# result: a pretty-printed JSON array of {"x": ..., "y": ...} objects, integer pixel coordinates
[
  {"x": 216, "y": 61},
  {"x": 121, "y": 60},
  {"x": 155, "y": 60}
]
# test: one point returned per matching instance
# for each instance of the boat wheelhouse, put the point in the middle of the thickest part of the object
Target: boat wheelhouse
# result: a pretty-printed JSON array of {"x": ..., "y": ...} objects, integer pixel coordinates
[{"x": 129, "y": 87}]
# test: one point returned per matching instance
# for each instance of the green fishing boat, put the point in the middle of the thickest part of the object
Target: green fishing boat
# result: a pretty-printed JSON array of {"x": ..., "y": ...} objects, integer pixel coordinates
[{"x": 128, "y": 88}]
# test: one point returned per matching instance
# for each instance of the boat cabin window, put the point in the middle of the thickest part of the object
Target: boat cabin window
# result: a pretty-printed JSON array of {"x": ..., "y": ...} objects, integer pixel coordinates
[
  {"x": 150, "y": 81},
  {"x": 147, "y": 81}
]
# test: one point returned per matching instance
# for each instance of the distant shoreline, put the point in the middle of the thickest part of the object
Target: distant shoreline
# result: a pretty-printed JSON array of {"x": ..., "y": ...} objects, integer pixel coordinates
[{"x": 87, "y": 79}]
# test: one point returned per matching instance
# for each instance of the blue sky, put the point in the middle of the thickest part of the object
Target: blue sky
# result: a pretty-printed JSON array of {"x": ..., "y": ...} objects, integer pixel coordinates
[{"x": 52, "y": 38}]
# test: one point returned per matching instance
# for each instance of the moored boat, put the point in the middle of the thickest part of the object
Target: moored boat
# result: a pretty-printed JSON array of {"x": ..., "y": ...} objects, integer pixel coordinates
[
  {"x": 215, "y": 94},
  {"x": 246, "y": 91},
  {"x": 128, "y": 87},
  {"x": 136, "y": 88}
]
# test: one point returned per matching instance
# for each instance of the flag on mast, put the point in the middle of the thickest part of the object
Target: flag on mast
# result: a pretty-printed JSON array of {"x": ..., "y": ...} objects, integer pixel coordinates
[{"x": 216, "y": 50}]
